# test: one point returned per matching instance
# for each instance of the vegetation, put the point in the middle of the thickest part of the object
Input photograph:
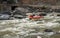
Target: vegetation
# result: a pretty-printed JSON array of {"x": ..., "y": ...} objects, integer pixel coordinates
[{"x": 8, "y": 1}]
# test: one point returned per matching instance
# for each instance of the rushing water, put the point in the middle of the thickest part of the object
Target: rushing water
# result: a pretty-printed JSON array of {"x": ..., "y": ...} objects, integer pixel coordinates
[{"x": 25, "y": 28}]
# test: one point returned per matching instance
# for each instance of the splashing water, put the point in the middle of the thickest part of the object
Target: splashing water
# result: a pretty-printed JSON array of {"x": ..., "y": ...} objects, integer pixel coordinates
[{"x": 22, "y": 28}]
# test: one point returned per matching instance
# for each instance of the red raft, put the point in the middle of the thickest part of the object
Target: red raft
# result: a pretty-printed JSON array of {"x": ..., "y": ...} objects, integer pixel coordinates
[{"x": 35, "y": 17}]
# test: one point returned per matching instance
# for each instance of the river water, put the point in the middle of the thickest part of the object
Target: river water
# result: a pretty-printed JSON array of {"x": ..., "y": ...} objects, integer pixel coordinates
[{"x": 25, "y": 28}]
